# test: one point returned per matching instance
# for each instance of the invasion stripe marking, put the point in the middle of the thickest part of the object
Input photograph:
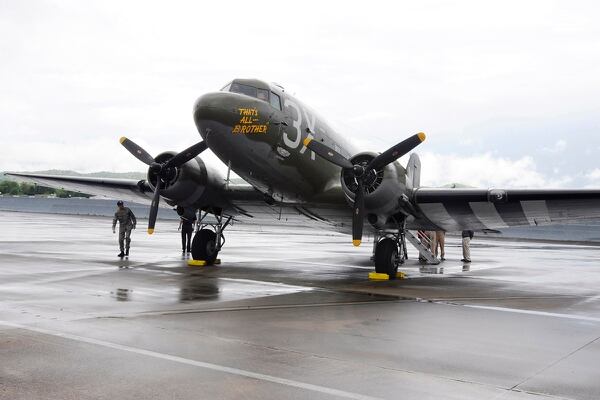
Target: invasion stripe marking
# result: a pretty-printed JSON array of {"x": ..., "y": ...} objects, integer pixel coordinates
[
  {"x": 436, "y": 212},
  {"x": 488, "y": 215},
  {"x": 536, "y": 212},
  {"x": 463, "y": 214},
  {"x": 512, "y": 214}
]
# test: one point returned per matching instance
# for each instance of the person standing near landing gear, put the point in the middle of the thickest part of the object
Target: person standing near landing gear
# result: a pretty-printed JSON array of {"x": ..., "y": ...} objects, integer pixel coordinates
[
  {"x": 439, "y": 241},
  {"x": 127, "y": 222},
  {"x": 186, "y": 225},
  {"x": 466, "y": 245}
]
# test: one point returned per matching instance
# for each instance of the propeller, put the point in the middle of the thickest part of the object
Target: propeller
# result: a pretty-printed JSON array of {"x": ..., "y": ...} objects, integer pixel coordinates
[
  {"x": 363, "y": 172},
  {"x": 162, "y": 170}
]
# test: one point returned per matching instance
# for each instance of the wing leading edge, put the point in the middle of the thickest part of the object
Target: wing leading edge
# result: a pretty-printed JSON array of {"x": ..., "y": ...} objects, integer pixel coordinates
[
  {"x": 478, "y": 209},
  {"x": 125, "y": 189}
]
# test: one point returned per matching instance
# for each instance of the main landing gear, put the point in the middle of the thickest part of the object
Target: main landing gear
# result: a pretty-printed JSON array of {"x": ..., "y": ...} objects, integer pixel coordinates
[
  {"x": 208, "y": 242},
  {"x": 389, "y": 252},
  {"x": 389, "y": 249}
]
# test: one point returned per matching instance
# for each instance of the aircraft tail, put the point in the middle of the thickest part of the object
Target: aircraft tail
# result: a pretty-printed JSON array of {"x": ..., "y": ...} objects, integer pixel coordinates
[{"x": 413, "y": 172}]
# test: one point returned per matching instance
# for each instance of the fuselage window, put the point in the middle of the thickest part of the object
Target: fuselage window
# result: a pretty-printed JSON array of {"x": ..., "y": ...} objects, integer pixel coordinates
[{"x": 275, "y": 101}]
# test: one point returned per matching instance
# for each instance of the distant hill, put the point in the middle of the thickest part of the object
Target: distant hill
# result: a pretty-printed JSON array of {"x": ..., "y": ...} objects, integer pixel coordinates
[{"x": 101, "y": 174}]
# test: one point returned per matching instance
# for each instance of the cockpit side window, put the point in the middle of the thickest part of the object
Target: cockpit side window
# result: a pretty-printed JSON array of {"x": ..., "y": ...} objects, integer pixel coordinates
[
  {"x": 262, "y": 94},
  {"x": 275, "y": 101},
  {"x": 226, "y": 87}
]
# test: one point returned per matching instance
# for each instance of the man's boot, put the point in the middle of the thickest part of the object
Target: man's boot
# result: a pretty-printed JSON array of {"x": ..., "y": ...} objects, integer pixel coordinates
[
  {"x": 127, "y": 251},
  {"x": 121, "y": 254}
]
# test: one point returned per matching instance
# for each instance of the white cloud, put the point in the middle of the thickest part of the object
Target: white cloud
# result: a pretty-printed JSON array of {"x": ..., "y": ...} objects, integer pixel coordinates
[
  {"x": 593, "y": 175},
  {"x": 558, "y": 147},
  {"x": 485, "y": 171},
  {"x": 77, "y": 75}
]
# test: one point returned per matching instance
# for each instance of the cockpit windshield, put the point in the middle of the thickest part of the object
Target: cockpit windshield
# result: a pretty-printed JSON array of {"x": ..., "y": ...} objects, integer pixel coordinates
[{"x": 261, "y": 94}]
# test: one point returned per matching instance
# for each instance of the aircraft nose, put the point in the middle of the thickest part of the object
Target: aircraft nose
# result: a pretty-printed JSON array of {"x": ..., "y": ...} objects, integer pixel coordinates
[{"x": 214, "y": 108}]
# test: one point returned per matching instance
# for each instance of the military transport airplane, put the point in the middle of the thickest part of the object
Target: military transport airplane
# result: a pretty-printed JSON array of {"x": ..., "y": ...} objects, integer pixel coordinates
[{"x": 301, "y": 172}]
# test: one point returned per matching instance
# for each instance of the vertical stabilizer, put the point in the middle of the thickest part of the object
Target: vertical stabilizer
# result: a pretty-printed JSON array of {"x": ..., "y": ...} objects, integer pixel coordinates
[{"x": 413, "y": 172}]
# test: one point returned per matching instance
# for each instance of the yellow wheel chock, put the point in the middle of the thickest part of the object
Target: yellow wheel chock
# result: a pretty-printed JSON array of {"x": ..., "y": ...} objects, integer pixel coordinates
[
  {"x": 201, "y": 263},
  {"x": 375, "y": 276}
]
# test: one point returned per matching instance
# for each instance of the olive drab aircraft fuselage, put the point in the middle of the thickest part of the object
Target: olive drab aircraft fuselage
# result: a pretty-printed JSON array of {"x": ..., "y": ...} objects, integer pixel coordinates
[
  {"x": 262, "y": 139},
  {"x": 299, "y": 171}
]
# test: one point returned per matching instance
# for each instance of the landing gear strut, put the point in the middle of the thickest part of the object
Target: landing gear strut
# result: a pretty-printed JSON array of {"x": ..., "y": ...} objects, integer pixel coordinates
[
  {"x": 208, "y": 242},
  {"x": 390, "y": 251}
]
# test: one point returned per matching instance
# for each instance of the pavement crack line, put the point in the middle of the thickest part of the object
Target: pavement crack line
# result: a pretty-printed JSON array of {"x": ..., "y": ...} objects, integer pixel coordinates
[
  {"x": 248, "y": 308},
  {"x": 555, "y": 363},
  {"x": 195, "y": 363}
]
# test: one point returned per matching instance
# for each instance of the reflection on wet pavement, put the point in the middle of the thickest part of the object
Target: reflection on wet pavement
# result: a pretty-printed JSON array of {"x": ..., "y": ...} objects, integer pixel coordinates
[{"x": 293, "y": 305}]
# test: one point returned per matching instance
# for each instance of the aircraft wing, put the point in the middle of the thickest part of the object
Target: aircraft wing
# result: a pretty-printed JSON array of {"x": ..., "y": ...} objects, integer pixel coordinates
[
  {"x": 133, "y": 190},
  {"x": 246, "y": 203},
  {"x": 479, "y": 209}
]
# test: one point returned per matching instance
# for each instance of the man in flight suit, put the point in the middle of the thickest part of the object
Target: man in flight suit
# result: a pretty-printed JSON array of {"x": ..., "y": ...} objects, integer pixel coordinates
[{"x": 127, "y": 222}]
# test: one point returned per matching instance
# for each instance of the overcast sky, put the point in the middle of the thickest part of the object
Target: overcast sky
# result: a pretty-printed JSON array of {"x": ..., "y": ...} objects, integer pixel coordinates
[{"x": 507, "y": 92}]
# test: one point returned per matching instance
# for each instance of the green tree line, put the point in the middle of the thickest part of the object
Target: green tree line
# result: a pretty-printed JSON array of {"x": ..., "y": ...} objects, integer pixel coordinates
[{"x": 29, "y": 189}]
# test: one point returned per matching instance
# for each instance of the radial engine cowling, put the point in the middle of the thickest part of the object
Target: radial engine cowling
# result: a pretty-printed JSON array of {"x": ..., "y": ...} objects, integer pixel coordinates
[
  {"x": 187, "y": 185},
  {"x": 383, "y": 188}
]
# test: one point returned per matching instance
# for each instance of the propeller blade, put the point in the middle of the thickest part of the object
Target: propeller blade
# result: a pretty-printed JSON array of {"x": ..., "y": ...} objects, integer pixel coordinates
[
  {"x": 186, "y": 155},
  {"x": 358, "y": 214},
  {"x": 137, "y": 151},
  {"x": 154, "y": 208},
  {"x": 327, "y": 153},
  {"x": 397, "y": 151}
]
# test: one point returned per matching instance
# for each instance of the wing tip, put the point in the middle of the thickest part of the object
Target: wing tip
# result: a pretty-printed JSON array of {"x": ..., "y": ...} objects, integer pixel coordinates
[
  {"x": 122, "y": 139},
  {"x": 421, "y": 136},
  {"x": 356, "y": 243}
]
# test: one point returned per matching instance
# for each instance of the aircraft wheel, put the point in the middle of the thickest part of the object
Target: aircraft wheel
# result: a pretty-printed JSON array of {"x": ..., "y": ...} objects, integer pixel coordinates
[
  {"x": 386, "y": 256},
  {"x": 204, "y": 246}
]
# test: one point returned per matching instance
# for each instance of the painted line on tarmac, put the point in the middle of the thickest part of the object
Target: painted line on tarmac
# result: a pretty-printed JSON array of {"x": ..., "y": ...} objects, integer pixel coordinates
[
  {"x": 531, "y": 312},
  {"x": 200, "y": 364}
]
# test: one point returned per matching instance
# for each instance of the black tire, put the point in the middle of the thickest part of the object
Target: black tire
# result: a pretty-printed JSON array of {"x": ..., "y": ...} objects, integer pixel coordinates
[
  {"x": 386, "y": 254},
  {"x": 204, "y": 246}
]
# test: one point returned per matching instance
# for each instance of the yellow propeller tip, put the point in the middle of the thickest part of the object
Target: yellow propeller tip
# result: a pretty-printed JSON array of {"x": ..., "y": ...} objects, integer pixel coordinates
[
  {"x": 307, "y": 141},
  {"x": 122, "y": 139},
  {"x": 421, "y": 136},
  {"x": 356, "y": 243},
  {"x": 150, "y": 231}
]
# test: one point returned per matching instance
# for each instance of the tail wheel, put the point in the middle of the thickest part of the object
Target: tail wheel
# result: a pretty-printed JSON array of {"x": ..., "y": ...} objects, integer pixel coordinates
[
  {"x": 204, "y": 246},
  {"x": 386, "y": 257}
]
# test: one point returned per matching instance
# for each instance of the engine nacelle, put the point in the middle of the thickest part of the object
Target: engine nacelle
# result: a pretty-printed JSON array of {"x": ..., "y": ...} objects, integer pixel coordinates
[
  {"x": 187, "y": 186},
  {"x": 383, "y": 188}
]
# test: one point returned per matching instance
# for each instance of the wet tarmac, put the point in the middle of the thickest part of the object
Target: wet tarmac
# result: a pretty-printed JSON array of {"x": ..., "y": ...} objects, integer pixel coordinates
[{"x": 289, "y": 314}]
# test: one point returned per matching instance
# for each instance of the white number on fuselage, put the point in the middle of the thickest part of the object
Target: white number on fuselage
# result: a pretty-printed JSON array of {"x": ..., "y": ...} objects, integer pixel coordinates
[{"x": 297, "y": 123}]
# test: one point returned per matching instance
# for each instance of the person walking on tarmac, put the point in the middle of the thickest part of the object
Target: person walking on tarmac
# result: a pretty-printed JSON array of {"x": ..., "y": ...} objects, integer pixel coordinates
[
  {"x": 466, "y": 245},
  {"x": 127, "y": 222},
  {"x": 186, "y": 225}
]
